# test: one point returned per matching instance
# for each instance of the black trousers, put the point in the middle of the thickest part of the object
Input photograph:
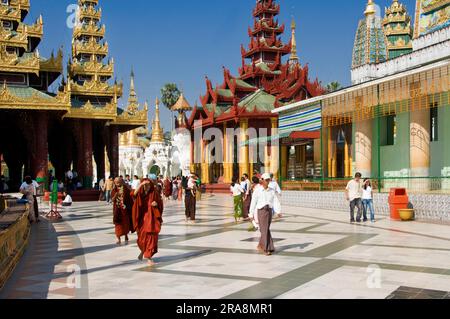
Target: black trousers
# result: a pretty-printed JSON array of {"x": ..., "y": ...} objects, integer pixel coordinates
[
  {"x": 190, "y": 203},
  {"x": 36, "y": 208},
  {"x": 357, "y": 203}
]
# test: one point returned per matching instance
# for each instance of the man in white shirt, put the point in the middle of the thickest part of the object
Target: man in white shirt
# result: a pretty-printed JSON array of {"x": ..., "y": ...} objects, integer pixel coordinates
[
  {"x": 135, "y": 183},
  {"x": 264, "y": 203},
  {"x": 274, "y": 185},
  {"x": 353, "y": 194},
  {"x": 35, "y": 202}
]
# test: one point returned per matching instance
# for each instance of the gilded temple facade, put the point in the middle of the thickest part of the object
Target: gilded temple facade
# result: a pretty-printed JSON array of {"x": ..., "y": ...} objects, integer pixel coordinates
[
  {"x": 73, "y": 127},
  {"x": 391, "y": 125}
]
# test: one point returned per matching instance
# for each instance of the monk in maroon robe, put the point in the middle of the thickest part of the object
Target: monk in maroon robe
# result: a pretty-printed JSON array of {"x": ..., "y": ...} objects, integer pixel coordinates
[
  {"x": 167, "y": 188},
  {"x": 147, "y": 219},
  {"x": 122, "y": 211}
]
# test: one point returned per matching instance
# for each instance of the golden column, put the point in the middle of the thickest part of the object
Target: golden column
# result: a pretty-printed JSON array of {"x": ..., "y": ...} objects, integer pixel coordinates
[
  {"x": 227, "y": 157},
  {"x": 266, "y": 159},
  {"x": 347, "y": 164},
  {"x": 192, "y": 166},
  {"x": 205, "y": 162},
  {"x": 243, "y": 158},
  {"x": 330, "y": 154},
  {"x": 275, "y": 150},
  {"x": 284, "y": 162}
]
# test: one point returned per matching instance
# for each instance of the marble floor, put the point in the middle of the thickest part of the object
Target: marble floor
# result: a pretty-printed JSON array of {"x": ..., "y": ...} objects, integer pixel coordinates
[{"x": 319, "y": 255}]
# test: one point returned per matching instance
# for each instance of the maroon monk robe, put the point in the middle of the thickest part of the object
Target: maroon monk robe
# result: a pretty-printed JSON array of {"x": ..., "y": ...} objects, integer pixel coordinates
[
  {"x": 123, "y": 205},
  {"x": 147, "y": 220},
  {"x": 167, "y": 188}
]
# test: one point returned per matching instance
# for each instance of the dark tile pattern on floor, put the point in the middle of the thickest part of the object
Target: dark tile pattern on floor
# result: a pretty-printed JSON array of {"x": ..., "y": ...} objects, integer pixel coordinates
[{"x": 418, "y": 293}]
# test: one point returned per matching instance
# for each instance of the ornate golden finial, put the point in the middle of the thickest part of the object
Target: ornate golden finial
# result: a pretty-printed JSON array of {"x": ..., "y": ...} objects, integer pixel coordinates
[
  {"x": 370, "y": 10},
  {"x": 146, "y": 106},
  {"x": 294, "y": 57},
  {"x": 157, "y": 131},
  {"x": 133, "y": 104}
]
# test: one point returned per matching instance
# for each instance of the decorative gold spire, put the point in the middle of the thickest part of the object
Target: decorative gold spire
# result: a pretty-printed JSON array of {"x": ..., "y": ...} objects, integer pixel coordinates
[
  {"x": 157, "y": 131},
  {"x": 133, "y": 104},
  {"x": 133, "y": 139},
  {"x": 370, "y": 10},
  {"x": 294, "y": 57}
]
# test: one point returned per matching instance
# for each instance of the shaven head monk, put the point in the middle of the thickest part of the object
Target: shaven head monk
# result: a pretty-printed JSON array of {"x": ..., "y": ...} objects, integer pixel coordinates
[
  {"x": 122, "y": 209},
  {"x": 147, "y": 219}
]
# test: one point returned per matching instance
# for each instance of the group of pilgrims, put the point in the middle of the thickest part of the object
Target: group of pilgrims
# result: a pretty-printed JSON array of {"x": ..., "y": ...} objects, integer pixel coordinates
[{"x": 139, "y": 209}]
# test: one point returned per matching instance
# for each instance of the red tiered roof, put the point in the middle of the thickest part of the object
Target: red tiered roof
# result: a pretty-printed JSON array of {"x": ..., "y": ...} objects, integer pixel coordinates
[
  {"x": 266, "y": 6},
  {"x": 265, "y": 71}
]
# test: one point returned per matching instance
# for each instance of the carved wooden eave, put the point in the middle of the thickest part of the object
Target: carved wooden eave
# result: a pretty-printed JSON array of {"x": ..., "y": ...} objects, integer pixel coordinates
[
  {"x": 91, "y": 13},
  {"x": 35, "y": 30},
  {"x": 91, "y": 47},
  {"x": 54, "y": 64},
  {"x": 96, "y": 88},
  {"x": 266, "y": 8},
  {"x": 10, "y": 62},
  {"x": 433, "y": 5},
  {"x": 86, "y": 1},
  {"x": 10, "y": 15},
  {"x": 91, "y": 68},
  {"x": 60, "y": 102},
  {"x": 90, "y": 30},
  {"x": 22, "y": 4},
  {"x": 139, "y": 118},
  {"x": 16, "y": 39},
  {"x": 89, "y": 111}
]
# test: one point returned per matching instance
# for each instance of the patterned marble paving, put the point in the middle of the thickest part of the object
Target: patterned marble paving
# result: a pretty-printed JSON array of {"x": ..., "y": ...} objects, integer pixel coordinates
[{"x": 319, "y": 255}]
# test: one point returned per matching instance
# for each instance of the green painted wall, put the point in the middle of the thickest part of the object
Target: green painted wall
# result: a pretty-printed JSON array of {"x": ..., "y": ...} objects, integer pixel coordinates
[
  {"x": 440, "y": 150},
  {"x": 393, "y": 157}
]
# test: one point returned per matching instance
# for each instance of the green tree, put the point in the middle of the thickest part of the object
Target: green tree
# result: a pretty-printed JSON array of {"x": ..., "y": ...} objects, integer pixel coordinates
[
  {"x": 169, "y": 96},
  {"x": 333, "y": 86}
]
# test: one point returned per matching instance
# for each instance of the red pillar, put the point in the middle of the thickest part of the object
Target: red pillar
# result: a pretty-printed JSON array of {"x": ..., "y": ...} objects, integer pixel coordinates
[
  {"x": 39, "y": 164},
  {"x": 114, "y": 150},
  {"x": 78, "y": 126},
  {"x": 88, "y": 170},
  {"x": 99, "y": 156}
]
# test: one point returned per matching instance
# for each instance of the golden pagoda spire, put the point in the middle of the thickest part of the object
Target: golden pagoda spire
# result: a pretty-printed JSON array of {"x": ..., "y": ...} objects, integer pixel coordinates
[
  {"x": 370, "y": 10},
  {"x": 133, "y": 139},
  {"x": 294, "y": 57},
  {"x": 133, "y": 104},
  {"x": 157, "y": 131}
]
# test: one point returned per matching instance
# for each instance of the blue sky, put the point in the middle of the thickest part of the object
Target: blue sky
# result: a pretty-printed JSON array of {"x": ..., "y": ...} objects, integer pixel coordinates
[{"x": 182, "y": 41}]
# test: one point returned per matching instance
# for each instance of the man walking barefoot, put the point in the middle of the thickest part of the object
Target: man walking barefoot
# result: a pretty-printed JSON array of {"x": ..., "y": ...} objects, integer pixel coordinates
[
  {"x": 353, "y": 194},
  {"x": 264, "y": 203}
]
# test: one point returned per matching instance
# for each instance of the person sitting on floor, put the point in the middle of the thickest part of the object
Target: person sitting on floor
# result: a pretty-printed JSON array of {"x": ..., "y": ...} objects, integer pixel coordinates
[{"x": 67, "y": 200}]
